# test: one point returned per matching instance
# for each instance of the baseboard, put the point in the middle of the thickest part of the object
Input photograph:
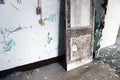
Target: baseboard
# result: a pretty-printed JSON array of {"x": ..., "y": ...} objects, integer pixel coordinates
[{"x": 32, "y": 66}]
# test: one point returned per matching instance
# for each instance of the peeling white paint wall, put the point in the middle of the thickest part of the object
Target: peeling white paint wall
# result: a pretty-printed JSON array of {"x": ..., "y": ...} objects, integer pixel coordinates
[
  {"x": 22, "y": 39},
  {"x": 112, "y": 23}
]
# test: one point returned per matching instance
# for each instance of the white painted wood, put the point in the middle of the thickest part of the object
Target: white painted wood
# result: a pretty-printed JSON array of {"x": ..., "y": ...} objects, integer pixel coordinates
[
  {"x": 76, "y": 64},
  {"x": 80, "y": 13}
]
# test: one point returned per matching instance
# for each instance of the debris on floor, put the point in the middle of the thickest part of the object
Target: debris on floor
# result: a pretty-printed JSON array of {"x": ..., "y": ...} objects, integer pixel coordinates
[
  {"x": 96, "y": 70},
  {"x": 111, "y": 56},
  {"x": 14, "y": 74}
]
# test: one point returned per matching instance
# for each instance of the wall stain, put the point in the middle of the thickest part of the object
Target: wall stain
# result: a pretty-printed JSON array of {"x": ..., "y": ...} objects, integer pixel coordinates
[
  {"x": 45, "y": 45},
  {"x": 20, "y": 59},
  {"x": 39, "y": 57},
  {"x": 9, "y": 61}
]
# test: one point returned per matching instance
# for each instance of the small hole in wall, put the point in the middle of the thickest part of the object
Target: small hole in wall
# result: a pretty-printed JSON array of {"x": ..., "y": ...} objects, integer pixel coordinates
[{"x": 2, "y": 1}]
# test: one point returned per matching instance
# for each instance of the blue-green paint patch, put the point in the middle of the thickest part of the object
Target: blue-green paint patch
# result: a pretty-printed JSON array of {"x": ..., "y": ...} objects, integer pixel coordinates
[
  {"x": 8, "y": 42},
  {"x": 51, "y": 18},
  {"x": 8, "y": 45},
  {"x": 49, "y": 37}
]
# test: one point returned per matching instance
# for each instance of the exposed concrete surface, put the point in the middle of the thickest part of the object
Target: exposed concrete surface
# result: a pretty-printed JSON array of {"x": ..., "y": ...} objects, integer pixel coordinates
[
  {"x": 92, "y": 71},
  {"x": 111, "y": 55}
]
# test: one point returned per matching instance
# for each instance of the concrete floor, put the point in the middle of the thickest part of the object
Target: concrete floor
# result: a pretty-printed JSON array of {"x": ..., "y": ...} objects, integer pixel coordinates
[
  {"x": 111, "y": 55},
  {"x": 92, "y": 71}
]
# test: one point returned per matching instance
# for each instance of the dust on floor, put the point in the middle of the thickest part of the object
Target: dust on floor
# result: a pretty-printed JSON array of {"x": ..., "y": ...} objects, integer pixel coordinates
[{"x": 97, "y": 70}]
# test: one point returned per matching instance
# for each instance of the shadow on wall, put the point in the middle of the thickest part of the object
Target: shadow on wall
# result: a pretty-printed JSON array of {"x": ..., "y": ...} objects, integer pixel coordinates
[{"x": 62, "y": 31}]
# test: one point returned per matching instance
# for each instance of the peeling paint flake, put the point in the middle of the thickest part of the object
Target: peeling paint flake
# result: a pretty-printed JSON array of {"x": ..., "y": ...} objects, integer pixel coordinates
[{"x": 49, "y": 37}]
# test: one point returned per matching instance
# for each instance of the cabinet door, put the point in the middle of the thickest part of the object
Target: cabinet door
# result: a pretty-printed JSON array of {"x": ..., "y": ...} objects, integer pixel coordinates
[{"x": 79, "y": 32}]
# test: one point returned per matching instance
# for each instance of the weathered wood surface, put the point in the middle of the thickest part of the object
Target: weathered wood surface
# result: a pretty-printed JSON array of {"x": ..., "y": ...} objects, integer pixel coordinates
[
  {"x": 79, "y": 32},
  {"x": 80, "y": 13}
]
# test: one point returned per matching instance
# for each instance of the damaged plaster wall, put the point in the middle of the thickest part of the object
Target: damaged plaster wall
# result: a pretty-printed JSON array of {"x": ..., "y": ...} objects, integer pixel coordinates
[
  {"x": 112, "y": 22},
  {"x": 22, "y": 39},
  {"x": 100, "y": 10}
]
